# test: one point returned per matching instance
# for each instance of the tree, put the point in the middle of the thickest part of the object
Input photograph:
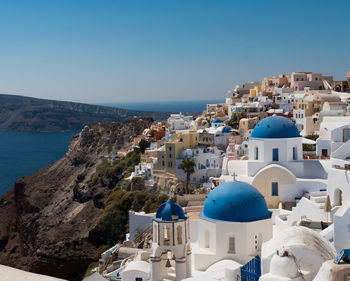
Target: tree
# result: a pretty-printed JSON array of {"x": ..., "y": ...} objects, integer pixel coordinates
[
  {"x": 187, "y": 166},
  {"x": 234, "y": 121},
  {"x": 144, "y": 145}
]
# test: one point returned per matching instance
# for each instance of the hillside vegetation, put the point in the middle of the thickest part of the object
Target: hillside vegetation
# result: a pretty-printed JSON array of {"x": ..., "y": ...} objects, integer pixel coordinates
[{"x": 112, "y": 225}]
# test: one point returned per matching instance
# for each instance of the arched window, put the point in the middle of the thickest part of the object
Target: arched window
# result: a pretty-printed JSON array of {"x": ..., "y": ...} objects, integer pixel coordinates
[
  {"x": 338, "y": 197},
  {"x": 256, "y": 153},
  {"x": 166, "y": 235},
  {"x": 206, "y": 239},
  {"x": 207, "y": 163},
  {"x": 179, "y": 234}
]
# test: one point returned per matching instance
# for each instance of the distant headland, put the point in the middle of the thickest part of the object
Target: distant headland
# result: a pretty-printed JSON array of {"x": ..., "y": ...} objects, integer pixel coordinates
[{"x": 20, "y": 113}]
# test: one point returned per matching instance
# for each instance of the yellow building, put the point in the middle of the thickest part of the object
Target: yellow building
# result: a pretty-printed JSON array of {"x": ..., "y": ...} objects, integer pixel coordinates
[
  {"x": 172, "y": 150},
  {"x": 254, "y": 92},
  {"x": 184, "y": 140},
  {"x": 246, "y": 124},
  {"x": 308, "y": 104}
]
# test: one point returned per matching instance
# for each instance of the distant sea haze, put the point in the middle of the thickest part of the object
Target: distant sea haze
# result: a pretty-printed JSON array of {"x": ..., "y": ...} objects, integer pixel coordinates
[{"x": 167, "y": 106}]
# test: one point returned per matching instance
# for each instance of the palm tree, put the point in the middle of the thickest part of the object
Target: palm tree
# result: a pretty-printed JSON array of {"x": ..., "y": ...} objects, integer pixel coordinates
[{"x": 187, "y": 166}]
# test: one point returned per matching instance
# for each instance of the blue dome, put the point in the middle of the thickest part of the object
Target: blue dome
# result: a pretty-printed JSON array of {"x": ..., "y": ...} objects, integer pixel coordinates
[
  {"x": 216, "y": 120},
  {"x": 227, "y": 130},
  {"x": 170, "y": 211},
  {"x": 235, "y": 202},
  {"x": 275, "y": 127}
]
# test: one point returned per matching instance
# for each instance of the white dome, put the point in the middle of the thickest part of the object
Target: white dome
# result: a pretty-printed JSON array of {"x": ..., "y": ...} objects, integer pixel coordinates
[
  {"x": 304, "y": 244},
  {"x": 283, "y": 266}
]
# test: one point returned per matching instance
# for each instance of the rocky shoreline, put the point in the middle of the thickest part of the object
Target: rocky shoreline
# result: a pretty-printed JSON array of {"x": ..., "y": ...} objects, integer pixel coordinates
[{"x": 48, "y": 219}]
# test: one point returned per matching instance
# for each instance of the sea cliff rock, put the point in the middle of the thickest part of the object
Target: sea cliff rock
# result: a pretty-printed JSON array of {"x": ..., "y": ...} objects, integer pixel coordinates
[{"x": 47, "y": 220}]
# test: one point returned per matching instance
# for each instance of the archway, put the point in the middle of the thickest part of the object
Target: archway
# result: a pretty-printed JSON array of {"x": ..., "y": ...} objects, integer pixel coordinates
[
  {"x": 337, "y": 197},
  {"x": 269, "y": 181}
]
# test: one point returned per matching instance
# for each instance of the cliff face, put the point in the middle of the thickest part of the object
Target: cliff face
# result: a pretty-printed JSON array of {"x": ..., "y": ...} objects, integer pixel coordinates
[
  {"x": 18, "y": 113},
  {"x": 47, "y": 221}
]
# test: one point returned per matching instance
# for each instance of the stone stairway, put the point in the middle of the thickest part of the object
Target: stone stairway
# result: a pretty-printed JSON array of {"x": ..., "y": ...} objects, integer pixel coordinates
[{"x": 318, "y": 197}]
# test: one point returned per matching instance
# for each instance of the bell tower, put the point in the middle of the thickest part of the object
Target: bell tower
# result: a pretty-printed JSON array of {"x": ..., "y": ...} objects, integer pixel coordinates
[{"x": 171, "y": 243}]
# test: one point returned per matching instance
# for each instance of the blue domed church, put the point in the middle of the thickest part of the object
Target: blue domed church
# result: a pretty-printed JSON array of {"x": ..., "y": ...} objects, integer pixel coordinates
[
  {"x": 229, "y": 232},
  {"x": 275, "y": 164},
  {"x": 234, "y": 223}
]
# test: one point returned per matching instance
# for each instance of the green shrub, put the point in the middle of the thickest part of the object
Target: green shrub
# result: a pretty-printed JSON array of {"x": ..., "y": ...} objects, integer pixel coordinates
[
  {"x": 113, "y": 173},
  {"x": 113, "y": 223}
]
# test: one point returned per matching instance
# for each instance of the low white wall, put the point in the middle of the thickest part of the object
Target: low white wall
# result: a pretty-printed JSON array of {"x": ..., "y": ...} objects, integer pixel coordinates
[{"x": 140, "y": 221}]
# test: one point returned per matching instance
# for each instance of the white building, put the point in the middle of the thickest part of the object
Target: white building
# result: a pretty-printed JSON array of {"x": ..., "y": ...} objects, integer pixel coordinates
[
  {"x": 342, "y": 227},
  {"x": 334, "y": 140},
  {"x": 180, "y": 122},
  {"x": 246, "y": 107},
  {"x": 221, "y": 133},
  {"x": 142, "y": 170},
  {"x": 276, "y": 166},
  {"x": 282, "y": 95},
  {"x": 334, "y": 132},
  {"x": 139, "y": 222},
  {"x": 136, "y": 271},
  {"x": 208, "y": 163}
]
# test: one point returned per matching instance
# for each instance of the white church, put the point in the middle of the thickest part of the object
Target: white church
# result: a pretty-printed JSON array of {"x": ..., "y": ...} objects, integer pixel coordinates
[
  {"x": 276, "y": 166},
  {"x": 229, "y": 232}
]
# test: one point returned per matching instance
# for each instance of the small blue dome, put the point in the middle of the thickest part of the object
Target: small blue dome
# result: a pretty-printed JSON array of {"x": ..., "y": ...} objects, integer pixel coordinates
[
  {"x": 216, "y": 120},
  {"x": 235, "y": 202},
  {"x": 227, "y": 130},
  {"x": 170, "y": 211},
  {"x": 275, "y": 127}
]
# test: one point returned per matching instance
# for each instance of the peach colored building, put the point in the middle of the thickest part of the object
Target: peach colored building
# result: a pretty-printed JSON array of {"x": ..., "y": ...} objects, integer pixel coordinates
[{"x": 301, "y": 80}]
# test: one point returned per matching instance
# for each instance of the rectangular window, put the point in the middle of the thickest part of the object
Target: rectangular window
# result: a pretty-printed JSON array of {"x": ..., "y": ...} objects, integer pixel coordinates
[
  {"x": 295, "y": 154},
  {"x": 256, "y": 153},
  {"x": 274, "y": 188},
  {"x": 275, "y": 154},
  {"x": 231, "y": 245}
]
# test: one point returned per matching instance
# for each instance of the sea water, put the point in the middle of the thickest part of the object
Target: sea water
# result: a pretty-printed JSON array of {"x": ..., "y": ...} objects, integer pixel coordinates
[{"x": 23, "y": 153}]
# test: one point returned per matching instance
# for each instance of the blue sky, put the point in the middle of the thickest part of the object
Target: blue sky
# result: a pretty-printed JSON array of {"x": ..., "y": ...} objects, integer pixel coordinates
[{"x": 119, "y": 51}]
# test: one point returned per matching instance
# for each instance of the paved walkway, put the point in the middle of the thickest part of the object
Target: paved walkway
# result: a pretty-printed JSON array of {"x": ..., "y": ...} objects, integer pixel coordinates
[
  {"x": 12, "y": 274},
  {"x": 95, "y": 277}
]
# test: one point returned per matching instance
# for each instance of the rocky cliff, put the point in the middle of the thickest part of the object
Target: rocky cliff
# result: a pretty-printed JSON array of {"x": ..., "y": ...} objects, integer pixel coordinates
[
  {"x": 18, "y": 113},
  {"x": 47, "y": 220}
]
